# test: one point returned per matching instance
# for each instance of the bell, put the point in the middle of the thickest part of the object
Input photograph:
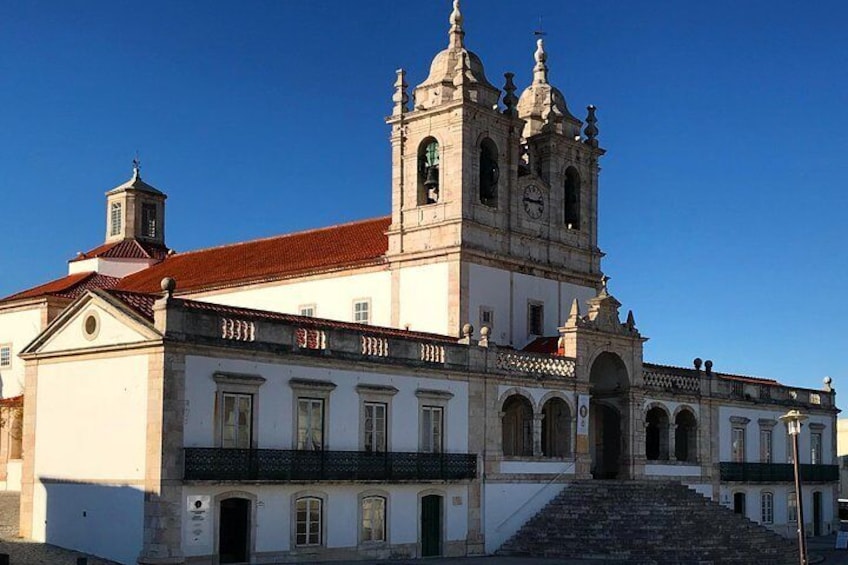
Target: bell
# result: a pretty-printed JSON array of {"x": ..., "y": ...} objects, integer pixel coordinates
[{"x": 432, "y": 177}]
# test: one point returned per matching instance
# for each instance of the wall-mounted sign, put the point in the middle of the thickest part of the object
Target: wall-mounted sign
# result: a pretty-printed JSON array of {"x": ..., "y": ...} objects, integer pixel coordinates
[
  {"x": 583, "y": 415},
  {"x": 198, "y": 519}
]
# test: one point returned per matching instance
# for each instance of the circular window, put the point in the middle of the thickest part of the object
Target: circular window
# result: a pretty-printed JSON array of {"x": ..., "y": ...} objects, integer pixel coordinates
[{"x": 91, "y": 325}]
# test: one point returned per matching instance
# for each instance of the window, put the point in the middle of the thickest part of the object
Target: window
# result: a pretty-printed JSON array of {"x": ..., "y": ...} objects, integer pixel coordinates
[
  {"x": 236, "y": 420},
  {"x": 487, "y": 317},
  {"x": 765, "y": 445},
  {"x": 816, "y": 448},
  {"x": 310, "y": 424},
  {"x": 738, "y": 444},
  {"x": 431, "y": 429},
  {"x": 792, "y": 508},
  {"x": 307, "y": 310},
  {"x": 373, "y": 528},
  {"x": 148, "y": 220},
  {"x": 375, "y": 427},
  {"x": 309, "y": 522},
  {"x": 571, "y": 197},
  {"x": 362, "y": 312},
  {"x": 535, "y": 318},
  {"x": 115, "y": 218},
  {"x": 5, "y": 356},
  {"x": 767, "y": 508}
]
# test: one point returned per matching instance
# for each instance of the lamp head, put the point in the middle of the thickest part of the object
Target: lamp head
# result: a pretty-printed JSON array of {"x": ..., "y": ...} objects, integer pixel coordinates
[{"x": 793, "y": 420}]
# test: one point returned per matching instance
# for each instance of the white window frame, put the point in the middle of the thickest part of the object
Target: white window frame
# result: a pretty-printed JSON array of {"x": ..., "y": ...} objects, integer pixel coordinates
[
  {"x": 738, "y": 427},
  {"x": 358, "y": 311},
  {"x": 309, "y": 500},
  {"x": 792, "y": 508},
  {"x": 232, "y": 419},
  {"x": 531, "y": 305},
  {"x": 5, "y": 355},
  {"x": 237, "y": 384},
  {"x": 116, "y": 212},
  {"x": 767, "y": 440},
  {"x": 370, "y": 539},
  {"x": 766, "y": 507},
  {"x": 307, "y": 310},
  {"x": 311, "y": 390},
  {"x": 372, "y": 396},
  {"x": 429, "y": 399}
]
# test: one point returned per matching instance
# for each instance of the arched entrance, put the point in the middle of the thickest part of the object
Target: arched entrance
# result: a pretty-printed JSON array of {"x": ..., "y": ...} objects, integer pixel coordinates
[{"x": 608, "y": 417}]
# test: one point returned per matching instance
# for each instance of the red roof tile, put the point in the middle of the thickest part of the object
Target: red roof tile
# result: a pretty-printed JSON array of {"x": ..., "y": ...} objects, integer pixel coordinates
[
  {"x": 141, "y": 303},
  {"x": 548, "y": 345},
  {"x": 125, "y": 249},
  {"x": 273, "y": 258},
  {"x": 70, "y": 286}
]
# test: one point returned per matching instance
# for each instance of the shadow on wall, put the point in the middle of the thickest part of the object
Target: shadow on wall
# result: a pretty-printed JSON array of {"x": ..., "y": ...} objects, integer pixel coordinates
[{"x": 104, "y": 520}]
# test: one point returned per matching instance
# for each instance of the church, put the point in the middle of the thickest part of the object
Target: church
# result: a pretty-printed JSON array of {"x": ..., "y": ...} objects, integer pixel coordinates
[{"x": 412, "y": 385}]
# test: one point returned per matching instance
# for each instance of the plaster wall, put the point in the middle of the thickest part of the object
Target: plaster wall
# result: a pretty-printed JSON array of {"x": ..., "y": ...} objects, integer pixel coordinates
[
  {"x": 507, "y": 506},
  {"x": 17, "y": 329},
  {"x": 275, "y": 403},
  {"x": 782, "y": 524},
  {"x": 110, "y": 331},
  {"x": 333, "y": 297},
  {"x": 424, "y": 295},
  {"x": 117, "y": 268}
]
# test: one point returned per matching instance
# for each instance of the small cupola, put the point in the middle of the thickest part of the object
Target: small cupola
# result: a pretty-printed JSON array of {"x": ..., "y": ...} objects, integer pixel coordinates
[
  {"x": 135, "y": 210},
  {"x": 542, "y": 106}
]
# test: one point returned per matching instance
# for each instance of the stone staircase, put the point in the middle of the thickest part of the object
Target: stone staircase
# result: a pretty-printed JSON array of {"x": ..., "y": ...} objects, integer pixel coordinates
[{"x": 649, "y": 522}]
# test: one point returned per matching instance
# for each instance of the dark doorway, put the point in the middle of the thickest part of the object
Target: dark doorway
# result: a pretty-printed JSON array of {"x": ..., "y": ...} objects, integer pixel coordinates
[
  {"x": 431, "y": 525},
  {"x": 234, "y": 530},
  {"x": 739, "y": 503},
  {"x": 817, "y": 513},
  {"x": 607, "y": 424}
]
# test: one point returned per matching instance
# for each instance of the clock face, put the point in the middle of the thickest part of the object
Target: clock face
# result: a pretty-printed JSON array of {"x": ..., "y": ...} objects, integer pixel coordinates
[{"x": 534, "y": 201}]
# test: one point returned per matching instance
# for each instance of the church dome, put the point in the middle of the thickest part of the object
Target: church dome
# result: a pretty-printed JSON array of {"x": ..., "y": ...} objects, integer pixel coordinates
[{"x": 542, "y": 105}]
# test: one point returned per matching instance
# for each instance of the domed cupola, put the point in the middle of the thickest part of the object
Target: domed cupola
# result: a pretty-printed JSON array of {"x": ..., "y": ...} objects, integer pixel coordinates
[
  {"x": 542, "y": 106},
  {"x": 455, "y": 73}
]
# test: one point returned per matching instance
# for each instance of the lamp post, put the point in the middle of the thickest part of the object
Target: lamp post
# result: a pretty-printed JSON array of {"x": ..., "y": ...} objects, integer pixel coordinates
[{"x": 793, "y": 420}]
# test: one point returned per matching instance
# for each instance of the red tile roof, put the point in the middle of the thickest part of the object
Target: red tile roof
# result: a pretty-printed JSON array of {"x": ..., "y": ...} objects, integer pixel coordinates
[
  {"x": 549, "y": 345},
  {"x": 274, "y": 258},
  {"x": 140, "y": 303},
  {"x": 70, "y": 286},
  {"x": 125, "y": 249}
]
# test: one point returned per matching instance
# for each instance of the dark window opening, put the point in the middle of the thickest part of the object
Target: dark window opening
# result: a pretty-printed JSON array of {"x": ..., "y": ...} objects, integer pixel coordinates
[
  {"x": 572, "y": 199},
  {"x": 489, "y": 173},
  {"x": 428, "y": 172}
]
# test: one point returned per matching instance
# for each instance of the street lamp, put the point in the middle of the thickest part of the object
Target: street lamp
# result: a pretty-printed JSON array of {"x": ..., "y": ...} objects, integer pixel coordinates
[{"x": 793, "y": 420}]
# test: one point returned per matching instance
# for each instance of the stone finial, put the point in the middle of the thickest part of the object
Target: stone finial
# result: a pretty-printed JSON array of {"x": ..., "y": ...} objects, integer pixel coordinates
[
  {"x": 168, "y": 286},
  {"x": 401, "y": 96},
  {"x": 604, "y": 286},
  {"x": 708, "y": 367},
  {"x": 456, "y": 33},
  {"x": 630, "y": 324},
  {"x": 697, "y": 362},
  {"x": 485, "y": 332},
  {"x": 552, "y": 116},
  {"x": 574, "y": 315},
  {"x": 591, "y": 129},
  {"x": 828, "y": 384},
  {"x": 510, "y": 99},
  {"x": 467, "y": 330},
  {"x": 540, "y": 70}
]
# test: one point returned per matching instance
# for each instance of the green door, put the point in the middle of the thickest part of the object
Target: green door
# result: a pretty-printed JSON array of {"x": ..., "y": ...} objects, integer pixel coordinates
[{"x": 431, "y": 525}]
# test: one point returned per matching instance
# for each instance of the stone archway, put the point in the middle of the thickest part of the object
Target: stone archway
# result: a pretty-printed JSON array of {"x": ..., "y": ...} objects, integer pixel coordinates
[{"x": 609, "y": 414}]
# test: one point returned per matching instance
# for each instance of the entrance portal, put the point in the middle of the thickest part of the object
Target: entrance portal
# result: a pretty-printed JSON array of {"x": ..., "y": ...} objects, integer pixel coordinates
[
  {"x": 608, "y": 417},
  {"x": 431, "y": 525},
  {"x": 234, "y": 530}
]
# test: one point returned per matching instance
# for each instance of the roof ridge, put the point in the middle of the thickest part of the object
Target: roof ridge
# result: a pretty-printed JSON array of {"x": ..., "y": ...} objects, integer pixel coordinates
[{"x": 281, "y": 236}]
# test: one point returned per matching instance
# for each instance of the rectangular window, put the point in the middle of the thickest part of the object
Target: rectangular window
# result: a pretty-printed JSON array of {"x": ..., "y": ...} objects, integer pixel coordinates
[
  {"x": 767, "y": 508},
  {"x": 310, "y": 424},
  {"x": 487, "y": 317},
  {"x": 236, "y": 419},
  {"x": 375, "y": 427},
  {"x": 431, "y": 429},
  {"x": 535, "y": 318},
  {"x": 5, "y": 356},
  {"x": 816, "y": 448},
  {"x": 115, "y": 218},
  {"x": 738, "y": 445},
  {"x": 792, "y": 508},
  {"x": 373, "y": 519},
  {"x": 362, "y": 312},
  {"x": 307, "y": 310},
  {"x": 148, "y": 220},
  {"x": 308, "y": 521},
  {"x": 765, "y": 446}
]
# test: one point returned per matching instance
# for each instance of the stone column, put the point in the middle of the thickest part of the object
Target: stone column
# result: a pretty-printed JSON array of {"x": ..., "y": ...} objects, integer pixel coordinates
[
  {"x": 537, "y": 434},
  {"x": 672, "y": 441}
]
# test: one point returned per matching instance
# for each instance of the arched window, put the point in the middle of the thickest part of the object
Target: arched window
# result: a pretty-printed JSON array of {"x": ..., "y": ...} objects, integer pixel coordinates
[
  {"x": 656, "y": 435},
  {"x": 572, "y": 199},
  {"x": 428, "y": 171},
  {"x": 309, "y": 521},
  {"x": 489, "y": 173},
  {"x": 517, "y": 427},
  {"x": 373, "y": 526},
  {"x": 556, "y": 428},
  {"x": 685, "y": 437}
]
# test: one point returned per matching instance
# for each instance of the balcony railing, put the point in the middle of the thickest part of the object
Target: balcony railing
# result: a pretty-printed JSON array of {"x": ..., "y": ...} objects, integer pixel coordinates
[
  {"x": 777, "y": 472},
  {"x": 219, "y": 464}
]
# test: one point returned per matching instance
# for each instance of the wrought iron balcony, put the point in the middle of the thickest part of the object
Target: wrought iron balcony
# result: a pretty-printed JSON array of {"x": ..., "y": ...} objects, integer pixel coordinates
[
  {"x": 777, "y": 472},
  {"x": 220, "y": 464}
]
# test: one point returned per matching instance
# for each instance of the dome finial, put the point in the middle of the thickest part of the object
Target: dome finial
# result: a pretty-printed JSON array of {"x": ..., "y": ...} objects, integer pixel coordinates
[
  {"x": 540, "y": 71},
  {"x": 456, "y": 33}
]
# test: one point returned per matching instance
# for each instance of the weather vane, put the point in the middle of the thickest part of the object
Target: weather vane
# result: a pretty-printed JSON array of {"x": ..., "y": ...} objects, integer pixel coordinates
[
  {"x": 137, "y": 164},
  {"x": 539, "y": 32}
]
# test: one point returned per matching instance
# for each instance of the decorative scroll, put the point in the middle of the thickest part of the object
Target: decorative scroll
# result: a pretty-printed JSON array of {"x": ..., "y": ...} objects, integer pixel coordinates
[
  {"x": 375, "y": 346},
  {"x": 311, "y": 339},
  {"x": 670, "y": 381},
  {"x": 432, "y": 353},
  {"x": 535, "y": 364},
  {"x": 238, "y": 330}
]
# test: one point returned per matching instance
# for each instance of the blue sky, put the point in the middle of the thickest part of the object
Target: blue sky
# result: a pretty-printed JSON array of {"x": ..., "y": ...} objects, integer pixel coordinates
[{"x": 722, "y": 195}]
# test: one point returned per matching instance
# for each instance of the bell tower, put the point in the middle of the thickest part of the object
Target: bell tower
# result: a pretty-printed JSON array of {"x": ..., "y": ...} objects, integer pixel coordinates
[{"x": 135, "y": 210}]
